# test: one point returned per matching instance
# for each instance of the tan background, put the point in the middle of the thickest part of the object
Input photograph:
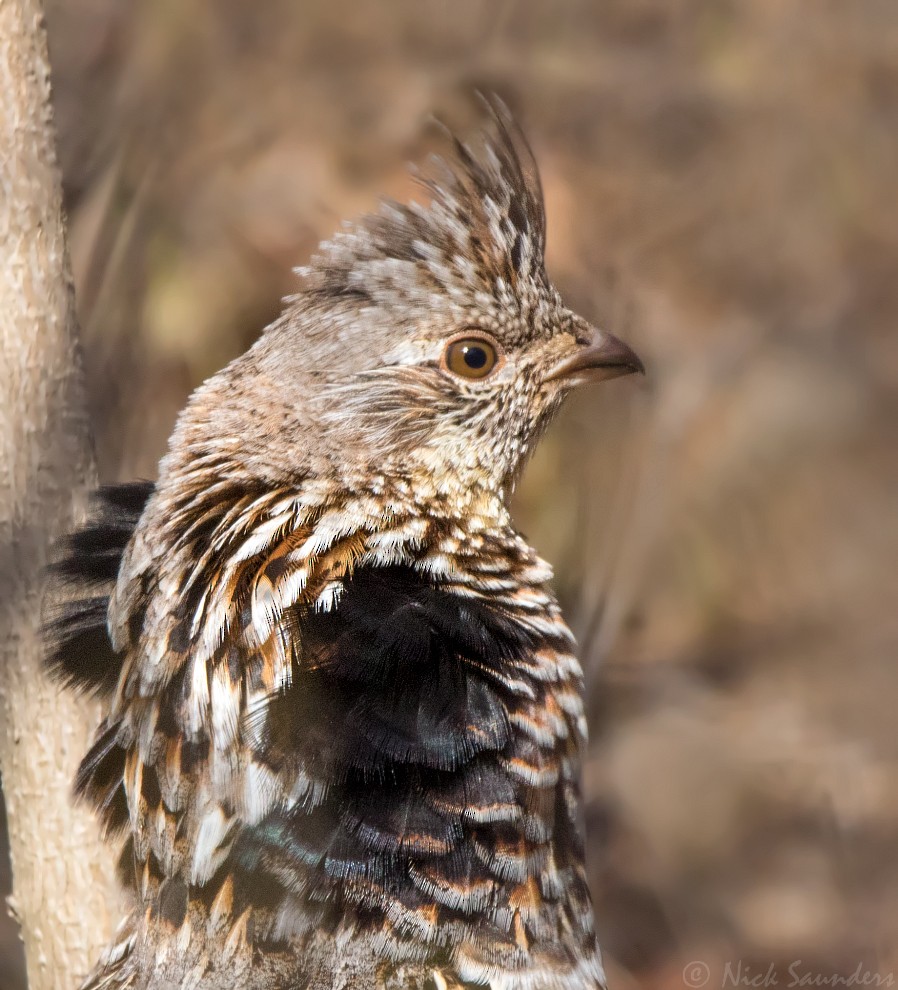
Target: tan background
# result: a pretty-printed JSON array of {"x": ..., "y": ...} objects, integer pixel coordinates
[{"x": 721, "y": 185}]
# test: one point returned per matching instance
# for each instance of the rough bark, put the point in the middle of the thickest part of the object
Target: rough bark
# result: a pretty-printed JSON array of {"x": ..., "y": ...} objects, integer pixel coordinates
[{"x": 62, "y": 875}]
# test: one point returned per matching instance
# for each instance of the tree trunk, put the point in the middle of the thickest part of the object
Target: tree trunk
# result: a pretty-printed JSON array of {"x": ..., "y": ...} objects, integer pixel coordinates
[{"x": 63, "y": 886}]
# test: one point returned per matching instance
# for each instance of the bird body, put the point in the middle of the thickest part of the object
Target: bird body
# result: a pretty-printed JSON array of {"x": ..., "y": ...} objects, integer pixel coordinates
[{"x": 344, "y": 718}]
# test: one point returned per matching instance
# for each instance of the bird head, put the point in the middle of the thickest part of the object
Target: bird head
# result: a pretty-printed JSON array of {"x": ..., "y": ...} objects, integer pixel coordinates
[{"x": 425, "y": 342}]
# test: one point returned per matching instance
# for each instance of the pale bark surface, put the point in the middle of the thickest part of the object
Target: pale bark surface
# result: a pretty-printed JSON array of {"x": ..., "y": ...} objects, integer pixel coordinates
[{"x": 62, "y": 874}]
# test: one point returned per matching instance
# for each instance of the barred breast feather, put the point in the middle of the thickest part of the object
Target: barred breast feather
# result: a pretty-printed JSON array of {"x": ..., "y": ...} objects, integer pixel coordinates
[{"x": 325, "y": 721}]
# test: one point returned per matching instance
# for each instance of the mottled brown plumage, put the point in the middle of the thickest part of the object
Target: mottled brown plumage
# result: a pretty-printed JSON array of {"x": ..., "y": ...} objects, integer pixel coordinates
[{"x": 344, "y": 712}]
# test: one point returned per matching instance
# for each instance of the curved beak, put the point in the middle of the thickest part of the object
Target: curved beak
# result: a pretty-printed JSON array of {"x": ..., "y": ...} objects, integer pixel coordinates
[{"x": 603, "y": 357}]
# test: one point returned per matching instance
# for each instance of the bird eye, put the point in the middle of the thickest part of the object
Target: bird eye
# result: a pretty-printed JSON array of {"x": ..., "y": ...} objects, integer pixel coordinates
[{"x": 471, "y": 356}]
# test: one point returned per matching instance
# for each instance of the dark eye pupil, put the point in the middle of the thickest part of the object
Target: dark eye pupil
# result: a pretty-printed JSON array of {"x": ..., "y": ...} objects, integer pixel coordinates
[
  {"x": 470, "y": 357},
  {"x": 475, "y": 357}
]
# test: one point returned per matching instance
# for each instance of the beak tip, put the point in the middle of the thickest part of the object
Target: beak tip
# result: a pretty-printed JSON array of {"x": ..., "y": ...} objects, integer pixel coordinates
[{"x": 612, "y": 355}]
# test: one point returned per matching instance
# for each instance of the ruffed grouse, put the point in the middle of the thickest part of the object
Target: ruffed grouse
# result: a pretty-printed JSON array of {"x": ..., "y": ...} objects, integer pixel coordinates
[{"x": 344, "y": 718}]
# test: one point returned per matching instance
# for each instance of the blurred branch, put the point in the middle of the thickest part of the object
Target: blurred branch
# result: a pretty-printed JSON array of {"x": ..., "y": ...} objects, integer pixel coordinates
[{"x": 62, "y": 875}]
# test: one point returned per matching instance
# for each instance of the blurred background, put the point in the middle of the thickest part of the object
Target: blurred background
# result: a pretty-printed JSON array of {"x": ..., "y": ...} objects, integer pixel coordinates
[{"x": 721, "y": 187}]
